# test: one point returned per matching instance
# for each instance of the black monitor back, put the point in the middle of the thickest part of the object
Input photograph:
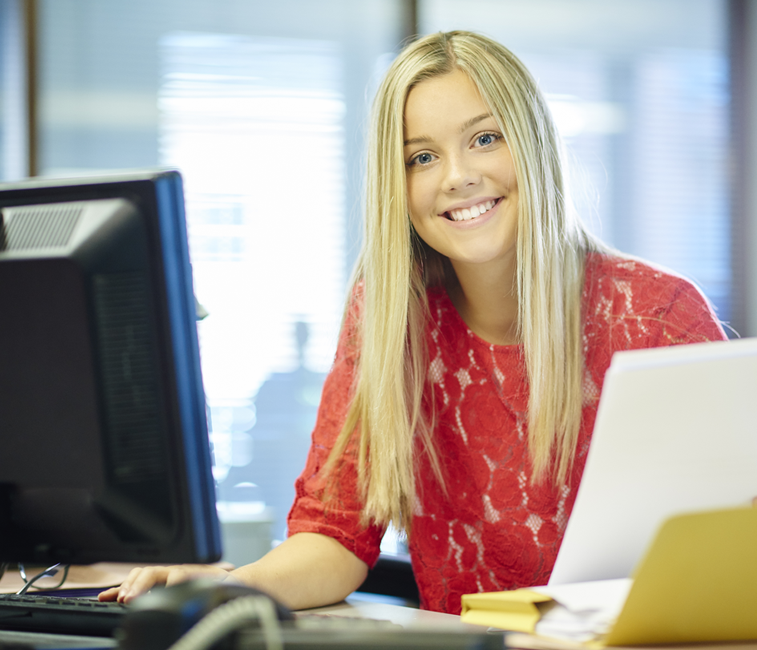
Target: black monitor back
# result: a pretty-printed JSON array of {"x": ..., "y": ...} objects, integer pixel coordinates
[{"x": 104, "y": 451}]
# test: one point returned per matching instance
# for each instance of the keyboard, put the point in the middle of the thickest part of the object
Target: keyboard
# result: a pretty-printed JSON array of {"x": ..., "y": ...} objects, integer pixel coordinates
[{"x": 60, "y": 615}]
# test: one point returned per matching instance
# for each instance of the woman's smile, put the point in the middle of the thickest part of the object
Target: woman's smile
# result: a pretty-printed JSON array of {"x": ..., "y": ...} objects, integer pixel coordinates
[{"x": 472, "y": 212}]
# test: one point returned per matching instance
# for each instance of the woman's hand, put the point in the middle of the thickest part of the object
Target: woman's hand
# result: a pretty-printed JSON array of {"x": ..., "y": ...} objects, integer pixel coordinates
[
  {"x": 143, "y": 579},
  {"x": 306, "y": 570}
]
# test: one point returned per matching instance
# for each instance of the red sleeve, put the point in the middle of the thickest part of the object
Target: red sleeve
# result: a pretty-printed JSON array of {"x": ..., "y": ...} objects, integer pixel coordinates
[
  {"x": 338, "y": 515},
  {"x": 686, "y": 317}
]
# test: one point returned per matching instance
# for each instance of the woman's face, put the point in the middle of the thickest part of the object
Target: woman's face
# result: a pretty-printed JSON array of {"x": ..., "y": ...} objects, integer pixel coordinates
[{"x": 461, "y": 185}]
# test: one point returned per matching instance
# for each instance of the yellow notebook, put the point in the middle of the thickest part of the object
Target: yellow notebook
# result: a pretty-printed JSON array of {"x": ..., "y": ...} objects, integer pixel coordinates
[{"x": 697, "y": 583}]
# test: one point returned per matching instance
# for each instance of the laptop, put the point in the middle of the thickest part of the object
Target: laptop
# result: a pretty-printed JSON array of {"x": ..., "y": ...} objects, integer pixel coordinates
[{"x": 676, "y": 431}]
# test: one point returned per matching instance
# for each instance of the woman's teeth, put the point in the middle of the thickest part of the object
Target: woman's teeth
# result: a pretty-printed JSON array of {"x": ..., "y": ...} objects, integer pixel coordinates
[{"x": 471, "y": 213}]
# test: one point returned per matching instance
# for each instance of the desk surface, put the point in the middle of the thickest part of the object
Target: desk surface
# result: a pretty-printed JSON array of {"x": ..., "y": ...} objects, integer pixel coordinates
[
  {"x": 357, "y": 605},
  {"x": 365, "y": 606},
  {"x": 62, "y": 641}
]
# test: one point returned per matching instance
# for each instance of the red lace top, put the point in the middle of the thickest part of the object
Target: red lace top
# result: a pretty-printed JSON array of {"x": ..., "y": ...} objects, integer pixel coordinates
[{"x": 494, "y": 530}]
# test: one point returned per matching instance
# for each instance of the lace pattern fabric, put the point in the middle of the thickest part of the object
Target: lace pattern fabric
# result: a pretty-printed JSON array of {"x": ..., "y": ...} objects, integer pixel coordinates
[{"x": 492, "y": 528}]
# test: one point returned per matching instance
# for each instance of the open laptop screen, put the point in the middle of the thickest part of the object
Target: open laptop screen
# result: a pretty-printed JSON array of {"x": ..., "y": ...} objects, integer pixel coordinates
[{"x": 676, "y": 431}]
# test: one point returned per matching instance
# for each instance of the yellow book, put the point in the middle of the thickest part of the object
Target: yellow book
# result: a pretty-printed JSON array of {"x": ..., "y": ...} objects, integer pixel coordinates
[{"x": 697, "y": 583}]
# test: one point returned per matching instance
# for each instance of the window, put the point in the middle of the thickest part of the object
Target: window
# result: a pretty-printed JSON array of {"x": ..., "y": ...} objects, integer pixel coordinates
[
  {"x": 257, "y": 126},
  {"x": 262, "y": 107}
]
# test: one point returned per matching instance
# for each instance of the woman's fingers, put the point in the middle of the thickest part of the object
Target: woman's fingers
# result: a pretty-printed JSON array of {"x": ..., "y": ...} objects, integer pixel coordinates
[
  {"x": 143, "y": 579},
  {"x": 108, "y": 594}
]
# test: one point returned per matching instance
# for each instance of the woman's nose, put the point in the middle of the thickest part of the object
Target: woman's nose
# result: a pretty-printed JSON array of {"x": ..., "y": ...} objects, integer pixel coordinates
[{"x": 459, "y": 174}]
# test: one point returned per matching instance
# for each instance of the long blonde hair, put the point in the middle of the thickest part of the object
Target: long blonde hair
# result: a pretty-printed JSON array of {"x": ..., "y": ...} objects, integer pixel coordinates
[{"x": 395, "y": 267}]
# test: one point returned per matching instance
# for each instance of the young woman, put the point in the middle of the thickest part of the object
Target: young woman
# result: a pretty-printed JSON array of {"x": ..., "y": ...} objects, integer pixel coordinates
[{"x": 481, "y": 322}]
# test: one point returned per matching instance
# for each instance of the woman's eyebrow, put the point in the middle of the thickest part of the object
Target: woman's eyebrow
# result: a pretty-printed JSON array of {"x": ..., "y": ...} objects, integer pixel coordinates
[
  {"x": 419, "y": 140},
  {"x": 465, "y": 126},
  {"x": 474, "y": 120}
]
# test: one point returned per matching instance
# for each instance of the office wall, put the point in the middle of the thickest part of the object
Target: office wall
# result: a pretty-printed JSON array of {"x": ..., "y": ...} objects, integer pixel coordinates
[
  {"x": 13, "y": 92},
  {"x": 3, "y": 89}
]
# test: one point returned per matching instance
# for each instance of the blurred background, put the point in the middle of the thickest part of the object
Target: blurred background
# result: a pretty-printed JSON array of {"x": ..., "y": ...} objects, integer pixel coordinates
[{"x": 263, "y": 107}]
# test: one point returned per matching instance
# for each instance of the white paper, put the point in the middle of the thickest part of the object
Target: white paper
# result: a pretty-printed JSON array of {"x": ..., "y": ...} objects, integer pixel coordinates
[{"x": 584, "y": 610}]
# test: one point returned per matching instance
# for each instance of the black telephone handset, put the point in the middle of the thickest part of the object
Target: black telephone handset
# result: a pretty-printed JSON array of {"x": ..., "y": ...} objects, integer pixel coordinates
[{"x": 156, "y": 620}]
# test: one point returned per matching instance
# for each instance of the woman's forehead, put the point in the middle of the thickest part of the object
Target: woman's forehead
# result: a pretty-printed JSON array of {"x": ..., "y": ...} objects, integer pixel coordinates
[{"x": 451, "y": 100}]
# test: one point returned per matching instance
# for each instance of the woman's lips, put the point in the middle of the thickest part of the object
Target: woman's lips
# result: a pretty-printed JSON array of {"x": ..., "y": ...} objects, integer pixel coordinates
[{"x": 466, "y": 214}]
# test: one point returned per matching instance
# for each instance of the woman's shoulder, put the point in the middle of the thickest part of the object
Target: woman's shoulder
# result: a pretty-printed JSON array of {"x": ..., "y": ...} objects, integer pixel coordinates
[
  {"x": 647, "y": 283},
  {"x": 615, "y": 266},
  {"x": 660, "y": 302}
]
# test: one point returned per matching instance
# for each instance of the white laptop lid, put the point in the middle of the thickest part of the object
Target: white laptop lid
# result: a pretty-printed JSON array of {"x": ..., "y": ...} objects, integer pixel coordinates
[{"x": 676, "y": 431}]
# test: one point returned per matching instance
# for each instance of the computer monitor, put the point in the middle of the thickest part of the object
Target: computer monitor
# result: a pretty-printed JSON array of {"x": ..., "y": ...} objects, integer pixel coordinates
[{"x": 104, "y": 452}]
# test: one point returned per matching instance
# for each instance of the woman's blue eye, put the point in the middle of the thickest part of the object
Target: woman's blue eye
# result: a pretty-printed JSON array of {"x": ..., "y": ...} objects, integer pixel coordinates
[
  {"x": 485, "y": 139},
  {"x": 423, "y": 159}
]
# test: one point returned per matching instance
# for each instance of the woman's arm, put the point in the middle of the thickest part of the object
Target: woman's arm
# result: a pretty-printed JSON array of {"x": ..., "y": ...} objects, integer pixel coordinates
[{"x": 306, "y": 570}]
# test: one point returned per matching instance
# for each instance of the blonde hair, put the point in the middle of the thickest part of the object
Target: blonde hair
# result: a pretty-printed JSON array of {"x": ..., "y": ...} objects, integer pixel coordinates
[{"x": 395, "y": 267}]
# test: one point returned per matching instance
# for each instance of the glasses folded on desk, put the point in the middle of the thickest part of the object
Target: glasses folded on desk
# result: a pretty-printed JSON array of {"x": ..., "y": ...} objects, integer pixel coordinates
[{"x": 46, "y": 579}]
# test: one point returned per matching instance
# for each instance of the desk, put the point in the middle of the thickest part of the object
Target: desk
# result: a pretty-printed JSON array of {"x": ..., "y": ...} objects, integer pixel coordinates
[
  {"x": 366, "y": 606},
  {"x": 56, "y": 640},
  {"x": 357, "y": 605}
]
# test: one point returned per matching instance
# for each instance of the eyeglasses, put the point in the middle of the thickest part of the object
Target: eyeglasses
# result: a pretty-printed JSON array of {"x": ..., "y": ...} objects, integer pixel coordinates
[{"x": 31, "y": 583}]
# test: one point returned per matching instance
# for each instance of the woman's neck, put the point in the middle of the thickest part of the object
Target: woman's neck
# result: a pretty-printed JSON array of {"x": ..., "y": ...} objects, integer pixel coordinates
[{"x": 486, "y": 299}]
